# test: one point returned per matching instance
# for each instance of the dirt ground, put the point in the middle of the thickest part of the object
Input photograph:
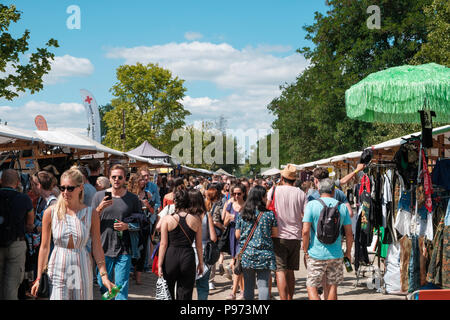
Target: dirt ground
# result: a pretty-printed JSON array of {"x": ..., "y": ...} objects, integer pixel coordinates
[{"x": 346, "y": 291}]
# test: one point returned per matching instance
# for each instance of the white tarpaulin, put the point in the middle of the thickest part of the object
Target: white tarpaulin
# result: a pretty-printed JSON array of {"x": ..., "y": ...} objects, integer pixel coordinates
[{"x": 270, "y": 172}]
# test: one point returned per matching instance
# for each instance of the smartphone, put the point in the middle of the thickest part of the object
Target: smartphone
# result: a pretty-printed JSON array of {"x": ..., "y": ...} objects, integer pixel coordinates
[{"x": 108, "y": 195}]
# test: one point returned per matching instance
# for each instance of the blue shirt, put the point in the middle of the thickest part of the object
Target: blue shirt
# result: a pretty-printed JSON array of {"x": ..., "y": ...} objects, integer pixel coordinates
[
  {"x": 258, "y": 254},
  {"x": 317, "y": 250},
  {"x": 153, "y": 189}
]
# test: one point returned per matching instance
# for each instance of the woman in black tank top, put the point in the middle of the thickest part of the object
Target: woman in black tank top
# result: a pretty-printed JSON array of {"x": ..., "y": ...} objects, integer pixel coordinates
[{"x": 176, "y": 254}]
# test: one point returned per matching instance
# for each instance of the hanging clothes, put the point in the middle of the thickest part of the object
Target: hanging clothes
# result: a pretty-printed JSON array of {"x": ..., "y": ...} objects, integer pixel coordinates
[
  {"x": 435, "y": 274},
  {"x": 441, "y": 173}
]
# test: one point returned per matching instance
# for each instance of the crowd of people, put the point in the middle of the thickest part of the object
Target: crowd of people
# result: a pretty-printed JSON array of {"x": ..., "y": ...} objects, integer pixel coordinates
[{"x": 87, "y": 227}]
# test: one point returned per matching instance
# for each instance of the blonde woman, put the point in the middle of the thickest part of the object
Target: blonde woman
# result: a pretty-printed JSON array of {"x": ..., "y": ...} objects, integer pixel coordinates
[{"x": 71, "y": 224}]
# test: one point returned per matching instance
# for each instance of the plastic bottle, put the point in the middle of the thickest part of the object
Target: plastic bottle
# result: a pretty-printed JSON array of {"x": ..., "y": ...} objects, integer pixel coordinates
[
  {"x": 347, "y": 264},
  {"x": 119, "y": 233},
  {"x": 114, "y": 292}
]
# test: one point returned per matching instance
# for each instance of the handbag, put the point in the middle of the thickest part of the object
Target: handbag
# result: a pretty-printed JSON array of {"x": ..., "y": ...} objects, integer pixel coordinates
[
  {"x": 271, "y": 205},
  {"x": 44, "y": 285},
  {"x": 211, "y": 251},
  {"x": 238, "y": 263},
  {"x": 162, "y": 290}
]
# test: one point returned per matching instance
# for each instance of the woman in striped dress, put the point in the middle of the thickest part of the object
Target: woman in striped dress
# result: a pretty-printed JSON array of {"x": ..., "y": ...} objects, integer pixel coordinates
[{"x": 71, "y": 224}]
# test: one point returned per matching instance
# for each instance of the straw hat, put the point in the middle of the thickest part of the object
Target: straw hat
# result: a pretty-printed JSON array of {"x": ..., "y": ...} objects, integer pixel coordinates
[{"x": 289, "y": 172}]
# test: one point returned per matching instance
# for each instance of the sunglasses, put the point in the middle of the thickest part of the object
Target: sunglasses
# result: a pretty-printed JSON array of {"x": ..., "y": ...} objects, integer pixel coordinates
[
  {"x": 69, "y": 188},
  {"x": 117, "y": 177}
]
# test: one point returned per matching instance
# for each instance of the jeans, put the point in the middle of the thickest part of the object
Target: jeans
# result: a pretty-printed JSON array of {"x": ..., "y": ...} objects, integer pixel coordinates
[
  {"x": 12, "y": 269},
  {"x": 120, "y": 267},
  {"x": 414, "y": 265},
  {"x": 263, "y": 278},
  {"x": 202, "y": 286}
]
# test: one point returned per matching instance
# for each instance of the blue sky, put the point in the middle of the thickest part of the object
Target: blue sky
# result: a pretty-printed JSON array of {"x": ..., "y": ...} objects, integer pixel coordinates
[{"x": 234, "y": 55}]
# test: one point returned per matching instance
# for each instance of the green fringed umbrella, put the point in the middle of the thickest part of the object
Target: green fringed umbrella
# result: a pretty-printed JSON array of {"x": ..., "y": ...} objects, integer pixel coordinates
[{"x": 395, "y": 95}]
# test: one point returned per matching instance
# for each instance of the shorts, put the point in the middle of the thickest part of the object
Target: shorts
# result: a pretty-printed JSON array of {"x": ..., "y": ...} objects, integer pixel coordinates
[
  {"x": 287, "y": 254},
  {"x": 333, "y": 269}
]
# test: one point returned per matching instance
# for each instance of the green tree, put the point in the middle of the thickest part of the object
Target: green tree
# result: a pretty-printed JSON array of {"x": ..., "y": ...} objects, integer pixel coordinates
[
  {"x": 310, "y": 113},
  {"x": 20, "y": 77},
  {"x": 102, "y": 110},
  {"x": 437, "y": 47},
  {"x": 151, "y": 97}
]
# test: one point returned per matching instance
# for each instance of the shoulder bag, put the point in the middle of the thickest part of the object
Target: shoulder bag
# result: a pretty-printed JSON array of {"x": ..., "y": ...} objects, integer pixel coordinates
[{"x": 238, "y": 263}]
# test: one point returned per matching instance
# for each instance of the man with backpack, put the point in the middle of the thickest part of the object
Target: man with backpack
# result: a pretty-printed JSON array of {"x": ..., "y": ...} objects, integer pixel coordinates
[
  {"x": 322, "y": 245},
  {"x": 16, "y": 217}
]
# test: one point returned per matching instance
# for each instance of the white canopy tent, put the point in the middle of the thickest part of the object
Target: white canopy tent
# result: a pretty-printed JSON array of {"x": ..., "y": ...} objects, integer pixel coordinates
[
  {"x": 11, "y": 138},
  {"x": 384, "y": 146},
  {"x": 270, "y": 172}
]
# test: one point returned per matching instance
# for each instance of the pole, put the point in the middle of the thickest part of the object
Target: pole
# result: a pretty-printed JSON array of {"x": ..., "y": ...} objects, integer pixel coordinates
[{"x": 123, "y": 130}]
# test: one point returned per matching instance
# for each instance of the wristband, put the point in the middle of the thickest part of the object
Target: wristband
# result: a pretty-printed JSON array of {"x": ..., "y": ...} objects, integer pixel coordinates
[{"x": 356, "y": 171}]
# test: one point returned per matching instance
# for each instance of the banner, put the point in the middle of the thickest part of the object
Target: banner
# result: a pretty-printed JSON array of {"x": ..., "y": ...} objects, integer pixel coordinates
[{"x": 94, "y": 129}]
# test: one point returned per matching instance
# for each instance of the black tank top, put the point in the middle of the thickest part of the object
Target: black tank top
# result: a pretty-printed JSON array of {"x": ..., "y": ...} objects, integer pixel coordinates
[{"x": 177, "y": 238}]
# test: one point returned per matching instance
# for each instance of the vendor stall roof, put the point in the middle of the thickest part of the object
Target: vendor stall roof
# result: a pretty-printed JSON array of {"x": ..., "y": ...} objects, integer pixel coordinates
[
  {"x": 66, "y": 139},
  {"x": 9, "y": 134},
  {"x": 393, "y": 143}
]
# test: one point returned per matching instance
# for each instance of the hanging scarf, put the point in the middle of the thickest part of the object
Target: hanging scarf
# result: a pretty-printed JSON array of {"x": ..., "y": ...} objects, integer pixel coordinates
[
  {"x": 365, "y": 184},
  {"x": 427, "y": 184}
]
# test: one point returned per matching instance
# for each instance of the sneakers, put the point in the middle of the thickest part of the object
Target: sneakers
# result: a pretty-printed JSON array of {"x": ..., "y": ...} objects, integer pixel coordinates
[
  {"x": 211, "y": 286},
  {"x": 240, "y": 296}
]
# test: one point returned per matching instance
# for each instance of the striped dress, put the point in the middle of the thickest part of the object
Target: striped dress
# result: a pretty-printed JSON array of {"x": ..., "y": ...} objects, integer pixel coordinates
[{"x": 70, "y": 270}]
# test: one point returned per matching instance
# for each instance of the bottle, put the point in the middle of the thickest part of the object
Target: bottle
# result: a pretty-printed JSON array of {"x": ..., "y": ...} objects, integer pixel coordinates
[
  {"x": 119, "y": 233},
  {"x": 347, "y": 264},
  {"x": 114, "y": 292}
]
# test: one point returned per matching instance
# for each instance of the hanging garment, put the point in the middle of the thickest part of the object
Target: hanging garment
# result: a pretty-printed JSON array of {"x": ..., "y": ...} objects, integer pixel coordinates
[
  {"x": 434, "y": 274},
  {"x": 441, "y": 173},
  {"x": 392, "y": 274},
  {"x": 361, "y": 243},
  {"x": 423, "y": 261},
  {"x": 447, "y": 215},
  {"x": 414, "y": 265},
  {"x": 427, "y": 183},
  {"x": 405, "y": 255}
]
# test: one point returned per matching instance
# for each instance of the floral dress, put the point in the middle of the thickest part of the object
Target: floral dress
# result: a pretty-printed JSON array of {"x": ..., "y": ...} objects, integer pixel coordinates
[{"x": 258, "y": 254}]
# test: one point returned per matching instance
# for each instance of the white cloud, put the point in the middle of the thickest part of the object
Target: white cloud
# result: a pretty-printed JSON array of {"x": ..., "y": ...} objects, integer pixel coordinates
[
  {"x": 67, "y": 115},
  {"x": 252, "y": 74},
  {"x": 190, "y": 35},
  {"x": 62, "y": 67},
  {"x": 227, "y": 67},
  {"x": 68, "y": 66}
]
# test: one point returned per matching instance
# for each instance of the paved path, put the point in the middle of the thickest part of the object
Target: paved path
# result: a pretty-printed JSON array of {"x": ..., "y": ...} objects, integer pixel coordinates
[{"x": 346, "y": 291}]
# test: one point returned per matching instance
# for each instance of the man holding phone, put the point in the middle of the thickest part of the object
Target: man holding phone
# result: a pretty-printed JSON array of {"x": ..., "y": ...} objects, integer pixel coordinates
[{"x": 114, "y": 205}]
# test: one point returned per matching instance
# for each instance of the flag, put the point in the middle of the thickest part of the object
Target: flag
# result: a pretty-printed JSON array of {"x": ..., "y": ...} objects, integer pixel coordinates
[{"x": 94, "y": 130}]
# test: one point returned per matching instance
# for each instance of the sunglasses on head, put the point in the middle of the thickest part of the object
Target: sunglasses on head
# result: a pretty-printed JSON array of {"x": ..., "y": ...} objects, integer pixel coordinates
[
  {"x": 117, "y": 177},
  {"x": 69, "y": 188}
]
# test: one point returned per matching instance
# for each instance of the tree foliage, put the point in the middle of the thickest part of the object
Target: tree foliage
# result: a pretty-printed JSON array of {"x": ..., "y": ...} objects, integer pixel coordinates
[
  {"x": 437, "y": 48},
  {"x": 150, "y": 97},
  {"x": 310, "y": 113},
  {"x": 16, "y": 76}
]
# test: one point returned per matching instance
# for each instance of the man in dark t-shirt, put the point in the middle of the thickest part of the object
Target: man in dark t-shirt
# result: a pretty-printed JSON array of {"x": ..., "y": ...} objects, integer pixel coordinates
[
  {"x": 115, "y": 237},
  {"x": 12, "y": 257}
]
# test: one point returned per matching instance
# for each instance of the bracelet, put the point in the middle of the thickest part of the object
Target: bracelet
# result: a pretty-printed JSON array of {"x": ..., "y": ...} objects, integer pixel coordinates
[
  {"x": 103, "y": 274},
  {"x": 356, "y": 171},
  {"x": 100, "y": 263}
]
